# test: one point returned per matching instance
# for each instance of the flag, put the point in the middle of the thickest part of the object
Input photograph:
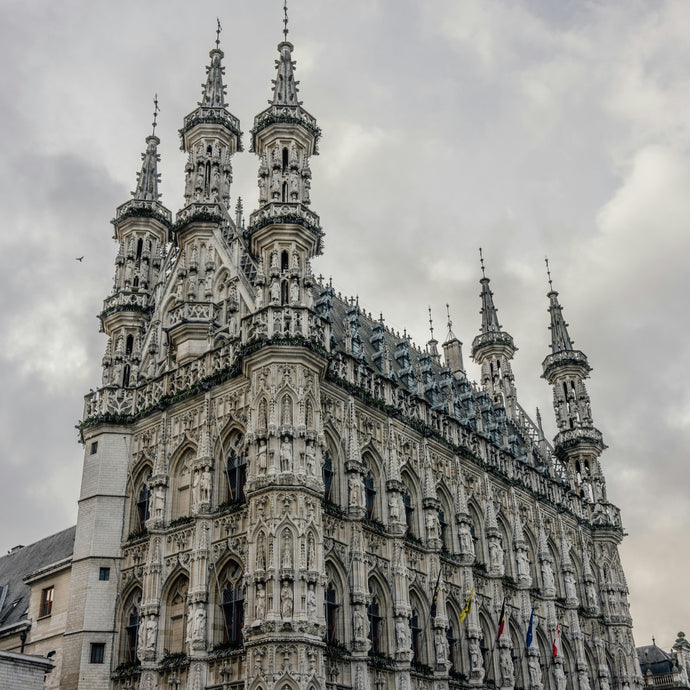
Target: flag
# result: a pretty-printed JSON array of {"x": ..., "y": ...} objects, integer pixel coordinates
[
  {"x": 530, "y": 630},
  {"x": 501, "y": 621},
  {"x": 556, "y": 641},
  {"x": 468, "y": 607},
  {"x": 434, "y": 601}
]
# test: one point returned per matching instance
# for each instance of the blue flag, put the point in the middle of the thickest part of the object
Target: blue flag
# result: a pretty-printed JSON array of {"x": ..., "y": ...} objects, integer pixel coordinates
[{"x": 528, "y": 639}]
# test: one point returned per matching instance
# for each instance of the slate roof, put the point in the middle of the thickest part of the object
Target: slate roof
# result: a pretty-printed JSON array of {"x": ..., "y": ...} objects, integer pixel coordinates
[
  {"x": 655, "y": 660},
  {"x": 14, "y": 592}
]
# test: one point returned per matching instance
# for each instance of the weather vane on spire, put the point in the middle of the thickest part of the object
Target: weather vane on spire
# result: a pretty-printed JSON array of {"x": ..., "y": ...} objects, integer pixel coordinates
[
  {"x": 218, "y": 30},
  {"x": 548, "y": 272},
  {"x": 156, "y": 110},
  {"x": 481, "y": 262},
  {"x": 285, "y": 20},
  {"x": 431, "y": 324},
  {"x": 450, "y": 323}
]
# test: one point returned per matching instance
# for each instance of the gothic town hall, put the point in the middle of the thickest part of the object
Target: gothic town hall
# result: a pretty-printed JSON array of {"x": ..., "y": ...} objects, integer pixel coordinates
[{"x": 288, "y": 495}]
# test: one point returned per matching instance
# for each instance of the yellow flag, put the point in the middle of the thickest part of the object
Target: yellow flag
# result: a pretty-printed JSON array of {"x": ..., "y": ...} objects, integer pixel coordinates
[{"x": 468, "y": 607}]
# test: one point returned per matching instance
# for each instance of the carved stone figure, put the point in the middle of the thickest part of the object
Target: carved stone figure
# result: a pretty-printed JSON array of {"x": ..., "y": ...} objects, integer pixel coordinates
[
  {"x": 158, "y": 500},
  {"x": 534, "y": 669},
  {"x": 559, "y": 676},
  {"x": 358, "y": 624},
  {"x": 584, "y": 680},
  {"x": 505, "y": 664},
  {"x": 260, "y": 604},
  {"x": 476, "y": 664},
  {"x": 286, "y": 600},
  {"x": 286, "y": 561},
  {"x": 294, "y": 292},
  {"x": 547, "y": 575},
  {"x": 310, "y": 458},
  {"x": 311, "y": 603},
  {"x": 311, "y": 553},
  {"x": 570, "y": 589},
  {"x": 199, "y": 631},
  {"x": 262, "y": 457},
  {"x": 285, "y": 455},
  {"x": 355, "y": 488},
  {"x": 275, "y": 291},
  {"x": 394, "y": 507},
  {"x": 431, "y": 522},
  {"x": 522, "y": 563},
  {"x": 205, "y": 485},
  {"x": 495, "y": 554},
  {"x": 401, "y": 635},
  {"x": 466, "y": 543},
  {"x": 441, "y": 647},
  {"x": 261, "y": 552}
]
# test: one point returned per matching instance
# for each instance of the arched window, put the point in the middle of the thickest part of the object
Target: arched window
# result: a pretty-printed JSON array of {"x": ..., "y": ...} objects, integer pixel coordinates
[
  {"x": 284, "y": 260},
  {"x": 327, "y": 475},
  {"x": 369, "y": 496},
  {"x": 416, "y": 632},
  {"x": 236, "y": 470},
  {"x": 143, "y": 501},
  {"x": 176, "y": 609},
  {"x": 375, "y": 624},
  {"x": 232, "y": 606},
  {"x": 130, "y": 637},
  {"x": 331, "y": 613},
  {"x": 452, "y": 647},
  {"x": 181, "y": 485},
  {"x": 445, "y": 532},
  {"x": 140, "y": 247},
  {"x": 284, "y": 292},
  {"x": 285, "y": 159},
  {"x": 284, "y": 194},
  {"x": 125, "y": 376}
]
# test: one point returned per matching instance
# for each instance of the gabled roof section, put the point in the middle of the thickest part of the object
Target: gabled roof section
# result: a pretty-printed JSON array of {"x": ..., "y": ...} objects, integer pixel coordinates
[{"x": 22, "y": 561}]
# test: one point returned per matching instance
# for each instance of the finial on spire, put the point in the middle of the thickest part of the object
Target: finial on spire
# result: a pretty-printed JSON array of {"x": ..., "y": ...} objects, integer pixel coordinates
[
  {"x": 156, "y": 110},
  {"x": 431, "y": 324},
  {"x": 481, "y": 262},
  {"x": 219, "y": 28},
  {"x": 548, "y": 272},
  {"x": 450, "y": 323},
  {"x": 285, "y": 21}
]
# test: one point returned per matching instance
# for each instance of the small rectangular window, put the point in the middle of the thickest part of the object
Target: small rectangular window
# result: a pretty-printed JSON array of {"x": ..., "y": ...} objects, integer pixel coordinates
[
  {"x": 94, "y": 448},
  {"x": 46, "y": 602},
  {"x": 104, "y": 574},
  {"x": 97, "y": 652}
]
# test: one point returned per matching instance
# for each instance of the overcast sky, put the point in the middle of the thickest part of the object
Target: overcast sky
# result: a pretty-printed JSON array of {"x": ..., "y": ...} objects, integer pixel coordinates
[{"x": 526, "y": 128}]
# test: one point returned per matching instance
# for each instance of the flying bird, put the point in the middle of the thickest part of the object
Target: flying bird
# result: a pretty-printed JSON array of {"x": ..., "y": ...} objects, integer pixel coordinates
[{"x": 79, "y": 258}]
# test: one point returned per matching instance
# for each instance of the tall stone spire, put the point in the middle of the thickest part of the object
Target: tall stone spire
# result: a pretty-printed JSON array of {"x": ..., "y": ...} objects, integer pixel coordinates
[
  {"x": 452, "y": 349},
  {"x": 149, "y": 177},
  {"x": 210, "y": 136},
  {"x": 560, "y": 340},
  {"x": 493, "y": 349},
  {"x": 578, "y": 442}
]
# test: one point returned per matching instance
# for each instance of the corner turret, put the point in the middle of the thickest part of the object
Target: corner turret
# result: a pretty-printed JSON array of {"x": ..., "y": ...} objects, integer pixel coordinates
[
  {"x": 142, "y": 228},
  {"x": 493, "y": 349},
  {"x": 578, "y": 442}
]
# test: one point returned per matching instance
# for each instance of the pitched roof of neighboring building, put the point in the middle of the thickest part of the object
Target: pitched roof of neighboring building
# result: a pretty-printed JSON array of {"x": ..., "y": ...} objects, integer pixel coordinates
[
  {"x": 655, "y": 660},
  {"x": 20, "y": 562}
]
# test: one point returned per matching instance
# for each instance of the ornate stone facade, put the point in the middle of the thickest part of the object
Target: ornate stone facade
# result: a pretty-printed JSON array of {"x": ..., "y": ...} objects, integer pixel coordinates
[{"x": 283, "y": 484}]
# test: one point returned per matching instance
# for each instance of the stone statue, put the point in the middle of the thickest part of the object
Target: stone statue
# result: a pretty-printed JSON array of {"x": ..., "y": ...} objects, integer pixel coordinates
[
  {"x": 141, "y": 638},
  {"x": 275, "y": 292},
  {"x": 158, "y": 500},
  {"x": 505, "y": 663},
  {"x": 534, "y": 669},
  {"x": 190, "y": 622},
  {"x": 262, "y": 456},
  {"x": 310, "y": 458},
  {"x": 522, "y": 563},
  {"x": 441, "y": 647},
  {"x": 394, "y": 507},
  {"x": 294, "y": 292},
  {"x": 199, "y": 630},
  {"x": 286, "y": 562},
  {"x": 294, "y": 186},
  {"x": 311, "y": 603},
  {"x": 495, "y": 554},
  {"x": 260, "y": 605},
  {"x": 311, "y": 553},
  {"x": 355, "y": 490},
  {"x": 466, "y": 543},
  {"x": 286, "y": 600},
  {"x": 401, "y": 635},
  {"x": 475, "y": 655},
  {"x": 431, "y": 522},
  {"x": 559, "y": 676},
  {"x": 358, "y": 625},
  {"x": 569, "y": 582},
  {"x": 205, "y": 486},
  {"x": 261, "y": 552},
  {"x": 547, "y": 575},
  {"x": 584, "y": 680},
  {"x": 285, "y": 455}
]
